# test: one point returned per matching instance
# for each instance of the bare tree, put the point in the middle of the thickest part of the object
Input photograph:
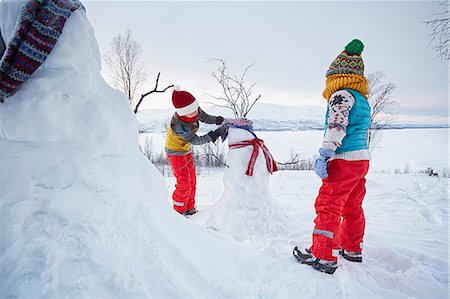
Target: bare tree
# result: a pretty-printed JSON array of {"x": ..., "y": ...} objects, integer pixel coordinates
[
  {"x": 147, "y": 148},
  {"x": 381, "y": 100},
  {"x": 211, "y": 155},
  {"x": 440, "y": 32},
  {"x": 296, "y": 162},
  {"x": 124, "y": 61},
  {"x": 236, "y": 94},
  {"x": 158, "y": 158}
]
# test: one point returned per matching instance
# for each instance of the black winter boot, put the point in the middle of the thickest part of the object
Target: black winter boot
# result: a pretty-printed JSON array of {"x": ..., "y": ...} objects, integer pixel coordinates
[
  {"x": 351, "y": 256},
  {"x": 190, "y": 212},
  {"x": 305, "y": 256}
]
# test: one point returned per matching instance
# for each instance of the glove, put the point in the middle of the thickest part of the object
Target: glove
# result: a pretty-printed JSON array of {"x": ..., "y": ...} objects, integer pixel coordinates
[
  {"x": 217, "y": 133},
  {"x": 320, "y": 165},
  {"x": 219, "y": 120}
]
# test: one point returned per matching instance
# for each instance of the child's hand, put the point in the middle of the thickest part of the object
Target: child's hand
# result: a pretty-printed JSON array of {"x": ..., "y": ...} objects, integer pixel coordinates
[
  {"x": 321, "y": 163},
  {"x": 219, "y": 120},
  {"x": 217, "y": 133}
]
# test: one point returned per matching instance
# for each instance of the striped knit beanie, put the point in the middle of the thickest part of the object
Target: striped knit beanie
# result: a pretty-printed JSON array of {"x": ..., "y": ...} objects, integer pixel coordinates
[{"x": 349, "y": 61}]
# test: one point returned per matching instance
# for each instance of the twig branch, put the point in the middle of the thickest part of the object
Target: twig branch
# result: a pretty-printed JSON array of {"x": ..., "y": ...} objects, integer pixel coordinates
[
  {"x": 248, "y": 110},
  {"x": 236, "y": 93},
  {"x": 440, "y": 32},
  {"x": 293, "y": 161},
  {"x": 150, "y": 92}
]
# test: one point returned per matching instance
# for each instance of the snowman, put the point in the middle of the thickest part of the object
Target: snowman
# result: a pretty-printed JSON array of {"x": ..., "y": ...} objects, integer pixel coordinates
[{"x": 246, "y": 209}]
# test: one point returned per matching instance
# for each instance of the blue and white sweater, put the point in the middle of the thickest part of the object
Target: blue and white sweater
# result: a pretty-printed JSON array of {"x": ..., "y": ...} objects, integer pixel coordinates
[{"x": 347, "y": 125}]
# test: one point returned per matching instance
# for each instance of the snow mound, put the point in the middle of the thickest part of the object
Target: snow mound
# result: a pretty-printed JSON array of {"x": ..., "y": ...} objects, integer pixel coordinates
[
  {"x": 246, "y": 209},
  {"x": 82, "y": 212}
]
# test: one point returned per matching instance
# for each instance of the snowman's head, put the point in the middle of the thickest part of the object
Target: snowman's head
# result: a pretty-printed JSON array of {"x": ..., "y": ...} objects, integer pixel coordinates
[
  {"x": 239, "y": 129},
  {"x": 236, "y": 135}
]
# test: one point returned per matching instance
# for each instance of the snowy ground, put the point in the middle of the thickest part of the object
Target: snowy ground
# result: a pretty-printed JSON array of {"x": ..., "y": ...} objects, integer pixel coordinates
[
  {"x": 84, "y": 215},
  {"x": 406, "y": 243}
]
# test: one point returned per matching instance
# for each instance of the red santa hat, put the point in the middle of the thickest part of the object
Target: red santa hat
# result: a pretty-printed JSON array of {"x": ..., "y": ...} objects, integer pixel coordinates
[{"x": 183, "y": 101}]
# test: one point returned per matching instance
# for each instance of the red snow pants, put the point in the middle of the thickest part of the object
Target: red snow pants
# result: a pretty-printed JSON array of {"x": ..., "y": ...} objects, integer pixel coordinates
[
  {"x": 340, "y": 219},
  {"x": 184, "y": 195}
]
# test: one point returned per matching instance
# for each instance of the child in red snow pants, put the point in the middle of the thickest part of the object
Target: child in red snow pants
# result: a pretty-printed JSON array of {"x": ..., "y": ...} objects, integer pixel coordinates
[
  {"x": 184, "y": 171},
  {"x": 340, "y": 219}
]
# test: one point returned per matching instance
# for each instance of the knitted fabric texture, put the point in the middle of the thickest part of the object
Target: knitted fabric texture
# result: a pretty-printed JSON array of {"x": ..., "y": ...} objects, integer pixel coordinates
[
  {"x": 243, "y": 122},
  {"x": 340, "y": 81},
  {"x": 239, "y": 123},
  {"x": 349, "y": 61},
  {"x": 39, "y": 26}
]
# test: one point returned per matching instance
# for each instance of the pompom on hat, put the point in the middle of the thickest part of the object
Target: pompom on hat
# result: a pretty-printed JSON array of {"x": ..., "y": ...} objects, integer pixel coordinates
[
  {"x": 349, "y": 61},
  {"x": 183, "y": 101}
]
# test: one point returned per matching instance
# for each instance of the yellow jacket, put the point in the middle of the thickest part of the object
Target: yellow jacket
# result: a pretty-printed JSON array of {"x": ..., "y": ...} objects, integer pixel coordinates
[{"x": 181, "y": 135}]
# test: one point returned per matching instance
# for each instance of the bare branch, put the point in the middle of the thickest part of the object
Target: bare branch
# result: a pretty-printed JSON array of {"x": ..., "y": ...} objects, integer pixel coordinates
[
  {"x": 259, "y": 96},
  {"x": 440, "y": 32},
  {"x": 150, "y": 92},
  {"x": 236, "y": 95},
  {"x": 381, "y": 100},
  {"x": 294, "y": 160}
]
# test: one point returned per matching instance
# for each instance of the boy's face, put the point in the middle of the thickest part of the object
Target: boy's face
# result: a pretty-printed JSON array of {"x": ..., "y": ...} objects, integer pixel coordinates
[{"x": 193, "y": 114}]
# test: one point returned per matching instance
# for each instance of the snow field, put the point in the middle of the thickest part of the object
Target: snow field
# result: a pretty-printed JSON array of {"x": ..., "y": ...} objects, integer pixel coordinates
[
  {"x": 84, "y": 215},
  {"x": 406, "y": 242}
]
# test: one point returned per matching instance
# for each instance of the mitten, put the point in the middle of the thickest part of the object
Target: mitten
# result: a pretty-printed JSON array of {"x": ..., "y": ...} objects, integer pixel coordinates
[
  {"x": 219, "y": 120},
  {"x": 216, "y": 133},
  {"x": 320, "y": 165}
]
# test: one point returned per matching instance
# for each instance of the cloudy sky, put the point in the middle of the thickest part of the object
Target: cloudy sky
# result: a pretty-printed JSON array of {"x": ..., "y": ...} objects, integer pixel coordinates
[{"x": 292, "y": 44}]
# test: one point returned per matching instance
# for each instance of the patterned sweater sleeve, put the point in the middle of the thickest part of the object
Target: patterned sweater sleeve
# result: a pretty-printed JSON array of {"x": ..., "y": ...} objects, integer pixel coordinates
[
  {"x": 189, "y": 135},
  {"x": 206, "y": 118},
  {"x": 339, "y": 106}
]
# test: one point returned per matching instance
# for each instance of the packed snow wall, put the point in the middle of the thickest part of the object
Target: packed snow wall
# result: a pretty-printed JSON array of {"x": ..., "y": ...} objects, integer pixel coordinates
[{"x": 82, "y": 211}]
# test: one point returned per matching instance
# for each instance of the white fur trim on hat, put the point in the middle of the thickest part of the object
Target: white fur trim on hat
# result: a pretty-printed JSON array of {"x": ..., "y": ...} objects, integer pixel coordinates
[
  {"x": 176, "y": 88},
  {"x": 187, "y": 109}
]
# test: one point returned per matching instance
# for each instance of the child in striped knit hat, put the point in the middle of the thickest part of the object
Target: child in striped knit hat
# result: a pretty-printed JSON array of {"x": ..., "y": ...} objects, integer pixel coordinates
[
  {"x": 342, "y": 164},
  {"x": 181, "y": 135}
]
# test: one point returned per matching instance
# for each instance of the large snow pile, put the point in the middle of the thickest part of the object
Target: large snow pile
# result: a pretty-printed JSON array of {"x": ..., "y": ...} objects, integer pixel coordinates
[
  {"x": 82, "y": 212},
  {"x": 246, "y": 209}
]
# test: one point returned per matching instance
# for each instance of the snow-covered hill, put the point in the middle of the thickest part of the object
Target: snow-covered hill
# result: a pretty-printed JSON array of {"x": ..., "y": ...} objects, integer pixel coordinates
[
  {"x": 83, "y": 214},
  {"x": 271, "y": 117}
]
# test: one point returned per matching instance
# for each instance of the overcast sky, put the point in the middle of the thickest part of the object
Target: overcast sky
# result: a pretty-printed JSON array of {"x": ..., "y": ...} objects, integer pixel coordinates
[{"x": 292, "y": 43}]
